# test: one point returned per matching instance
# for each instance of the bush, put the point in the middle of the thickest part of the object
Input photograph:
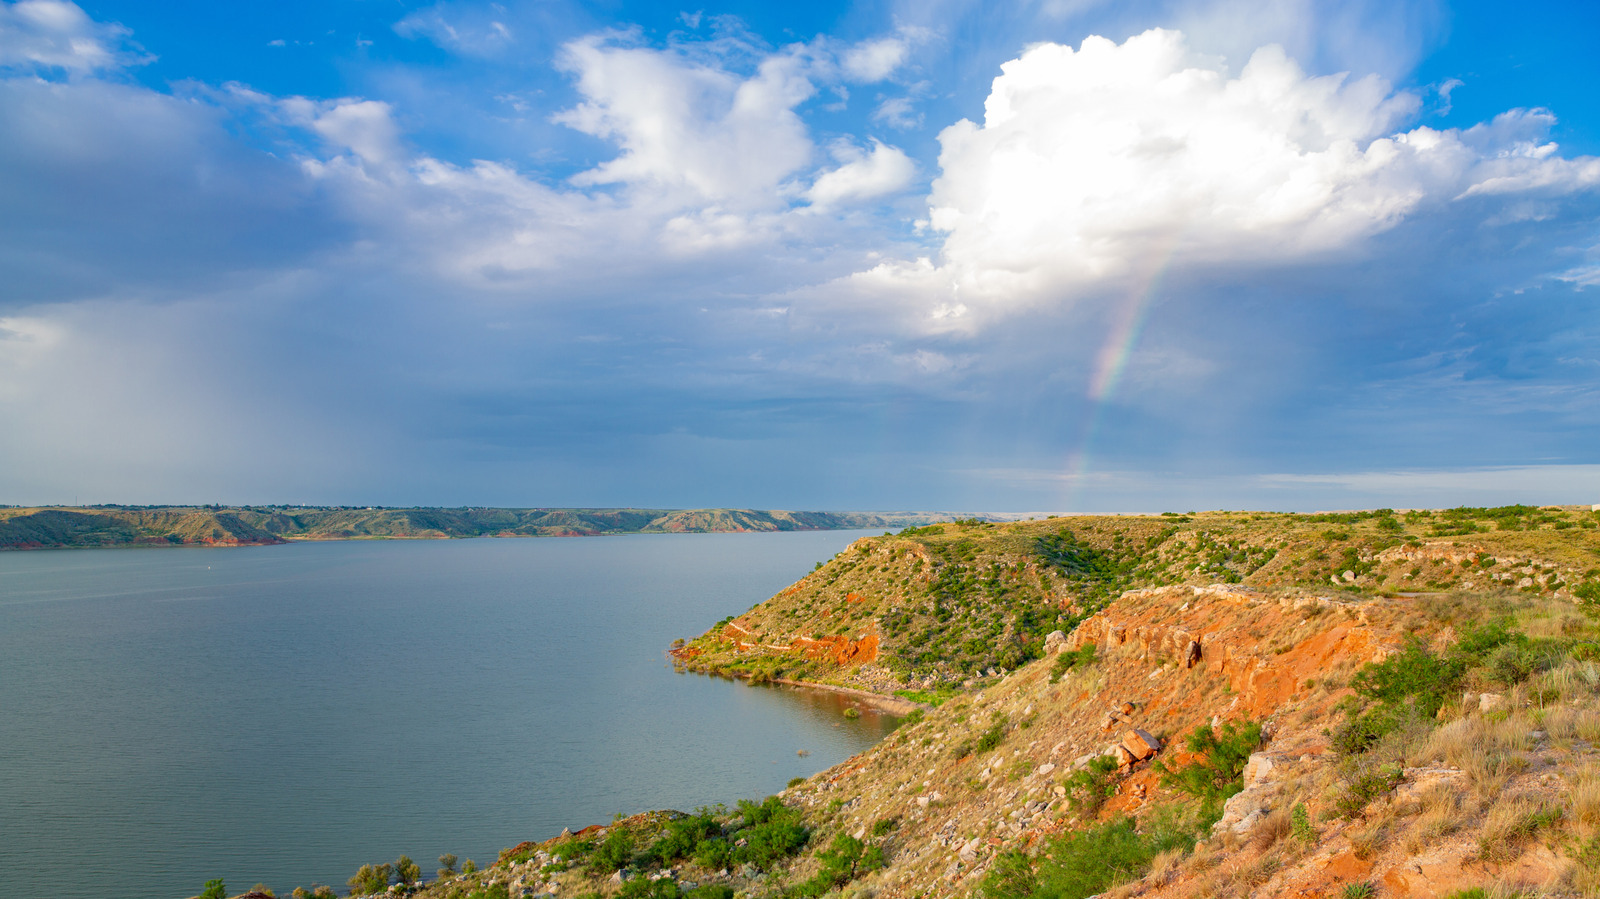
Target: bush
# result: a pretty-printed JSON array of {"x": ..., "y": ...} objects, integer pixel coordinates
[
  {"x": 1081, "y": 864},
  {"x": 406, "y": 871},
  {"x": 370, "y": 879},
  {"x": 1088, "y": 788},
  {"x": 680, "y": 838},
  {"x": 447, "y": 865},
  {"x": 1300, "y": 824},
  {"x": 1068, "y": 659},
  {"x": 613, "y": 853},
  {"x": 710, "y": 891},
  {"x": 842, "y": 862},
  {"x": 1219, "y": 772},
  {"x": 645, "y": 888},
  {"x": 214, "y": 889},
  {"x": 1362, "y": 783}
]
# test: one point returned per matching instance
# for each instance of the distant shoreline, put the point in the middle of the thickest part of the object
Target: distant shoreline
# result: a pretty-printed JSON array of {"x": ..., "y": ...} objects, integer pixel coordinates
[{"x": 66, "y": 527}]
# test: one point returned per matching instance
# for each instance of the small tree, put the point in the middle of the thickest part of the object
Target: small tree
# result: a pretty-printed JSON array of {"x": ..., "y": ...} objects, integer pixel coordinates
[
  {"x": 215, "y": 889},
  {"x": 406, "y": 871},
  {"x": 469, "y": 867},
  {"x": 447, "y": 865},
  {"x": 370, "y": 879}
]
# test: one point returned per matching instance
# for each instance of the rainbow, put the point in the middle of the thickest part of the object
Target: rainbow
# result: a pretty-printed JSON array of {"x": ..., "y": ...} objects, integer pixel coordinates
[{"x": 1128, "y": 320}]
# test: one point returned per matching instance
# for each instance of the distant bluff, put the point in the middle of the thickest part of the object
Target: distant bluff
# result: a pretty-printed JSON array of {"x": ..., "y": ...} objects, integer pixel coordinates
[{"x": 39, "y": 528}]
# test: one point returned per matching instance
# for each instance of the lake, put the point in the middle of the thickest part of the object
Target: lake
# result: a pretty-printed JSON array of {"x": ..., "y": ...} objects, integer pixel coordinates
[{"x": 284, "y": 714}]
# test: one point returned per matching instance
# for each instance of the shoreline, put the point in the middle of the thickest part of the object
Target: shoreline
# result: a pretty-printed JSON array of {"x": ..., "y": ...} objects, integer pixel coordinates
[{"x": 894, "y": 705}]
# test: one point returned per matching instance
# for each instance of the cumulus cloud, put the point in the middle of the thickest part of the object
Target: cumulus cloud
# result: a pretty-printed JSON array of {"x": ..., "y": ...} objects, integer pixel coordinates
[
  {"x": 861, "y": 175},
  {"x": 1094, "y": 165},
  {"x": 686, "y": 125},
  {"x": 54, "y": 34},
  {"x": 875, "y": 60}
]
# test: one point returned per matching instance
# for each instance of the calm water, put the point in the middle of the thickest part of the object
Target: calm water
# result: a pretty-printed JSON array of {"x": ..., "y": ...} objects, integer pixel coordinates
[{"x": 284, "y": 714}]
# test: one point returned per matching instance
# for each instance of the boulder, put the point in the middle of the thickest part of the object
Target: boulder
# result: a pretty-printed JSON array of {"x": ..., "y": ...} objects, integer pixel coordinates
[
  {"x": 1140, "y": 744},
  {"x": 1054, "y": 642},
  {"x": 969, "y": 851},
  {"x": 1488, "y": 702},
  {"x": 1125, "y": 757},
  {"x": 1191, "y": 655},
  {"x": 1257, "y": 769}
]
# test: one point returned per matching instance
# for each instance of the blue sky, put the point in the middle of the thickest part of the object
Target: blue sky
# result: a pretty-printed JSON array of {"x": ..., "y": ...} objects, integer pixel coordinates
[{"x": 1065, "y": 255}]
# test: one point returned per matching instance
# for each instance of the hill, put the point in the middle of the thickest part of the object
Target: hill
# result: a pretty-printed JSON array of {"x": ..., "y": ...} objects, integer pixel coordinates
[
  {"x": 36, "y": 528},
  {"x": 1224, "y": 705}
]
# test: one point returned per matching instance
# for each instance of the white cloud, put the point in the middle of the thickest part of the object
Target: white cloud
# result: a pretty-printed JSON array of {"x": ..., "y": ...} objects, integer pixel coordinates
[
  {"x": 467, "y": 30},
  {"x": 861, "y": 175},
  {"x": 898, "y": 112},
  {"x": 59, "y": 35},
  {"x": 687, "y": 126},
  {"x": 1094, "y": 166},
  {"x": 875, "y": 60}
]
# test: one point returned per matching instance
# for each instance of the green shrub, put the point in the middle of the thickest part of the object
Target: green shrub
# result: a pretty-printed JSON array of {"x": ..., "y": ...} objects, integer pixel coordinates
[
  {"x": 1474, "y": 893},
  {"x": 710, "y": 891},
  {"x": 1081, "y": 864},
  {"x": 845, "y": 860},
  {"x": 1362, "y": 782},
  {"x": 714, "y": 854},
  {"x": 884, "y": 825},
  {"x": 1300, "y": 824},
  {"x": 680, "y": 838},
  {"x": 370, "y": 879},
  {"x": 1219, "y": 772},
  {"x": 772, "y": 831},
  {"x": 447, "y": 864},
  {"x": 645, "y": 888},
  {"x": 406, "y": 871},
  {"x": 1357, "y": 891},
  {"x": 214, "y": 889},
  {"x": 492, "y": 891},
  {"x": 992, "y": 737},
  {"x": 1089, "y": 787},
  {"x": 1068, "y": 659},
  {"x": 567, "y": 851},
  {"x": 613, "y": 853}
]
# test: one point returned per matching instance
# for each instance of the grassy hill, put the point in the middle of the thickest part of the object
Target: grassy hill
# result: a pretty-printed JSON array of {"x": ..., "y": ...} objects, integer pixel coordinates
[
  {"x": 222, "y": 526},
  {"x": 934, "y": 606}
]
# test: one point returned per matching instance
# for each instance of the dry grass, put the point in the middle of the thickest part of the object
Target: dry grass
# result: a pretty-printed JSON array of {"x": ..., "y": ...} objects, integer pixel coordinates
[
  {"x": 1368, "y": 841},
  {"x": 1568, "y": 723},
  {"x": 1441, "y": 814},
  {"x": 1511, "y": 822},
  {"x": 1272, "y": 829},
  {"x": 1586, "y": 799},
  {"x": 1165, "y": 866}
]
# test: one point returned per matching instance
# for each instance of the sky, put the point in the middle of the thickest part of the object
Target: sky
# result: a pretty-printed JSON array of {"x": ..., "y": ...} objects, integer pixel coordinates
[{"x": 1052, "y": 256}]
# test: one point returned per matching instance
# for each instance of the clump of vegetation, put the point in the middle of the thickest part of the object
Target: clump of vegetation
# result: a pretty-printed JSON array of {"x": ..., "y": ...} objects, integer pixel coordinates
[
  {"x": 1069, "y": 659},
  {"x": 1084, "y": 863},
  {"x": 1218, "y": 773},
  {"x": 370, "y": 879},
  {"x": 1089, "y": 787},
  {"x": 845, "y": 860},
  {"x": 214, "y": 889}
]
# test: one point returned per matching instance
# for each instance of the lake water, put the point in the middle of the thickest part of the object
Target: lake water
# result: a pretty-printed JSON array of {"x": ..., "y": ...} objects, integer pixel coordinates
[{"x": 284, "y": 714}]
